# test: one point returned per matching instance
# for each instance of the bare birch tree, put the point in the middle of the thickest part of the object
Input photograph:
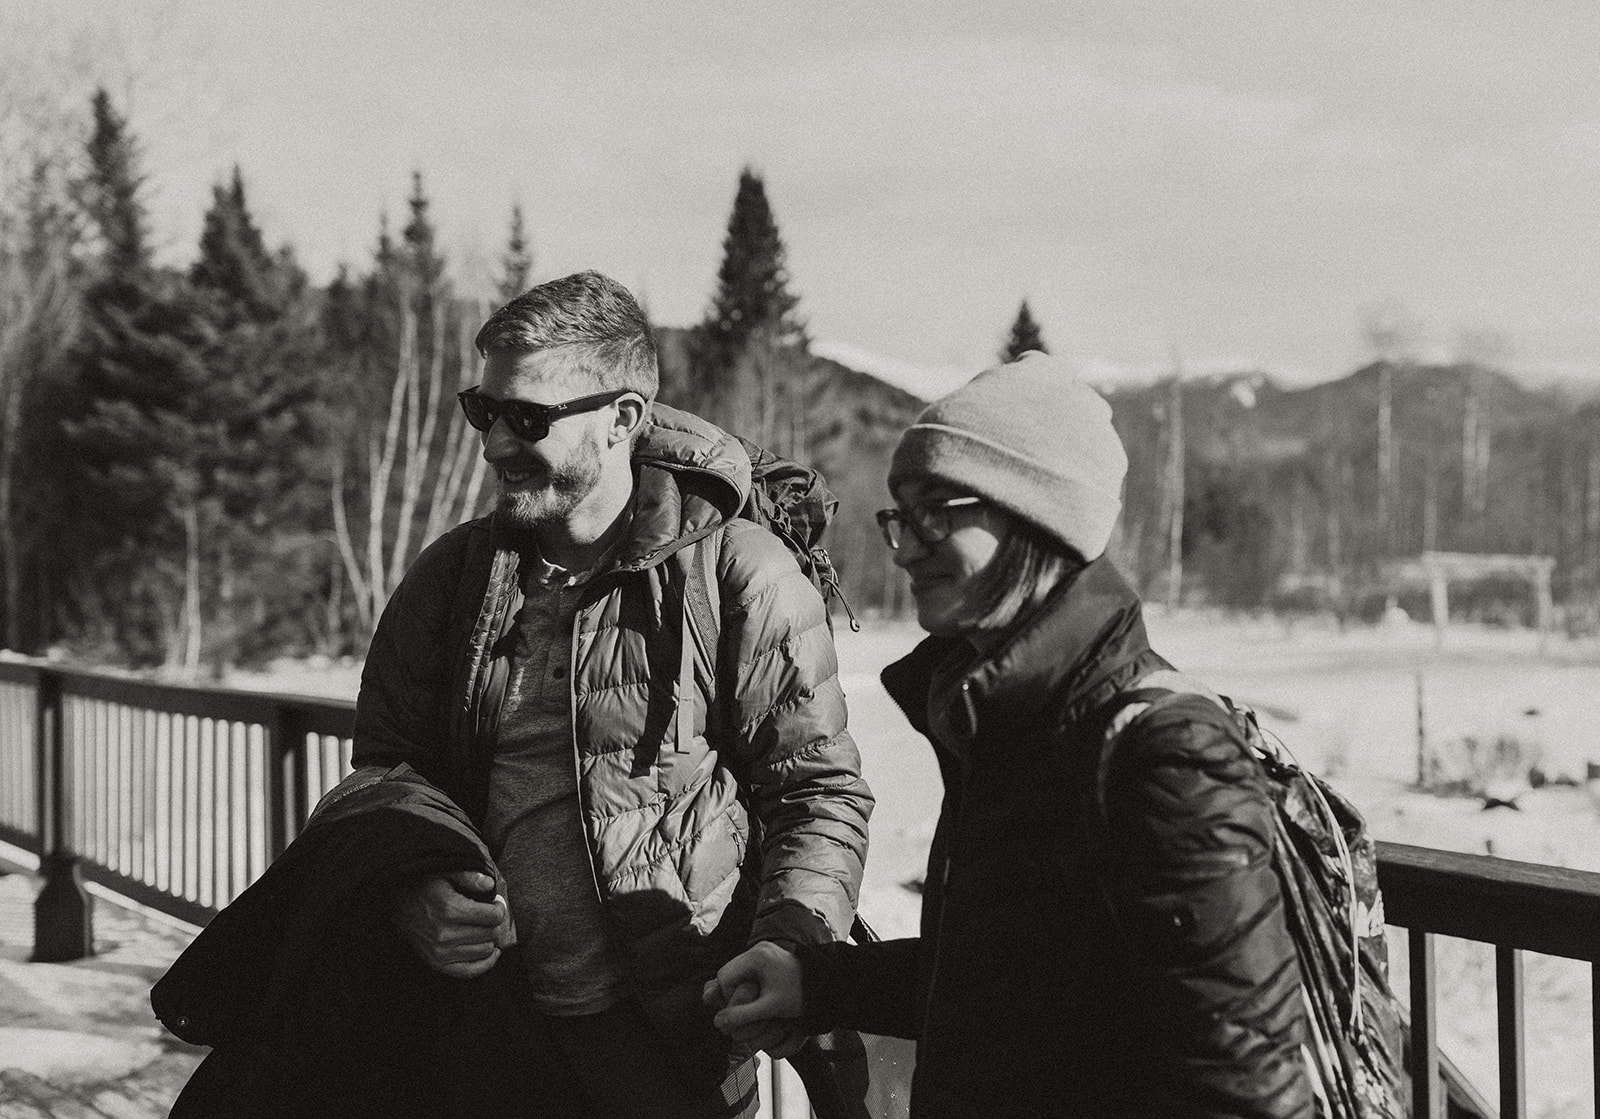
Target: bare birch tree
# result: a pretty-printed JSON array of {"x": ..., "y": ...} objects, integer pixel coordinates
[
  {"x": 1172, "y": 490},
  {"x": 408, "y": 443},
  {"x": 1392, "y": 334},
  {"x": 1479, "y": 350}
]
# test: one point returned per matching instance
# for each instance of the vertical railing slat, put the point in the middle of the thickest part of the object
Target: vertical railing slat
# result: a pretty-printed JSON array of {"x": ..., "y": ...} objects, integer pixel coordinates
[
  {"x": 130, "y": 793},
  {"x": 162, "y": 799},
  {"x": 304, "y": 759},
  {"x": 89, "y": 728},
  {"x": 191, "y": 808},
  {"x": 1509, "y": 1012},
  {"x": 280, "y": 739},
  {"x": 125, "y": 771},
  {"x": 1425, "y": 1094},
  {"x": 239, "y": 811},
  {"x": 1594, "y": 1023},
  {"x": 252, "y": 814},
  {"x": 46, "y": 726}
]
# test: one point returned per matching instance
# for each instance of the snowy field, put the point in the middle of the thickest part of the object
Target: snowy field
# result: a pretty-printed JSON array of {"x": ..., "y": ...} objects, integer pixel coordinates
[{"x": 1347, "y": 705}]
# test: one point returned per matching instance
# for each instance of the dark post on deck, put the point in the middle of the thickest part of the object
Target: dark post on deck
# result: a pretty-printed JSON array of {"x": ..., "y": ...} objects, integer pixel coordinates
[{"x": 63, "y": 913}]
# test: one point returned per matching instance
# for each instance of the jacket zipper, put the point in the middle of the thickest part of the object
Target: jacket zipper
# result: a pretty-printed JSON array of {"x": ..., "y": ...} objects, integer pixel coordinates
[
  {"x": 577, "y": 762},
  {"x": 944, "y": 871}
]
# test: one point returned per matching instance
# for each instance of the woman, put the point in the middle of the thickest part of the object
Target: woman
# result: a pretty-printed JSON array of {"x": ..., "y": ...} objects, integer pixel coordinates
[{"x": 1102, "y": 933}]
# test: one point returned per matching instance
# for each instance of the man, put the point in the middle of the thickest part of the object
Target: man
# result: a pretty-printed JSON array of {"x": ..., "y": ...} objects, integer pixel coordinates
[{"x": 529, "y": 665}]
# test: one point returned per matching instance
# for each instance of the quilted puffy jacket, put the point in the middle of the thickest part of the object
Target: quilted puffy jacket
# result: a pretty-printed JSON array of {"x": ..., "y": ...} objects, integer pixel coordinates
[
  {"x": 697, "y": 847},
  {"x": 1128, "y": 962}
]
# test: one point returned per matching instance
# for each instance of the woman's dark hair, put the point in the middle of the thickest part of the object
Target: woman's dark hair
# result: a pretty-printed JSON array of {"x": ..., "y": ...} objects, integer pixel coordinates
[{"x": 1027, "y": 567}]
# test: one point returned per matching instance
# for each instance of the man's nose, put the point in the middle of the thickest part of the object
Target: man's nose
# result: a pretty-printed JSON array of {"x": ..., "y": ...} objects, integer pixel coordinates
[{"x": 499, "y": 443}]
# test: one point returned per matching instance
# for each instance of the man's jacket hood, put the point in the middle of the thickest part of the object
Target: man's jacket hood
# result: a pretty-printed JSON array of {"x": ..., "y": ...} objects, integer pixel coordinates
[{"x": 692, "y": 478}]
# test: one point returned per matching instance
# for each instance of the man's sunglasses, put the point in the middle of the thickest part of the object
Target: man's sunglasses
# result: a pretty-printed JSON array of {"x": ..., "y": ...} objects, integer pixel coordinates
[
  {"x": 928, "y": 521},
  {"x": 528, "y": 421}
]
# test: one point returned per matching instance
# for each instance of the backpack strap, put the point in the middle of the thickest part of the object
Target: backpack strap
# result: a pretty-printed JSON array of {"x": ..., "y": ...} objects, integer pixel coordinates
[
  {"x": 702, "y": 632},
  {"x": 1128, "y": 704}
]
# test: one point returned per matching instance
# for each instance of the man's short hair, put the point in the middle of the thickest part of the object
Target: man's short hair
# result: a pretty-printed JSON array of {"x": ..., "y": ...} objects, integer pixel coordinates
[{"x": 610, "y": 337}]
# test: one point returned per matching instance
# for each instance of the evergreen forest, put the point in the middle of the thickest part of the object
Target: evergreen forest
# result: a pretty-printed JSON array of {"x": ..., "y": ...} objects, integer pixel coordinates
[{"x": 219, "y": 464}]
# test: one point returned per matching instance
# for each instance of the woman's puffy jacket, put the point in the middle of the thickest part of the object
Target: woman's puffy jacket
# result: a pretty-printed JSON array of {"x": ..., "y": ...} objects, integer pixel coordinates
[
  {"x": 698, "y": 847},
  {"x": 1130, "y": 960}
]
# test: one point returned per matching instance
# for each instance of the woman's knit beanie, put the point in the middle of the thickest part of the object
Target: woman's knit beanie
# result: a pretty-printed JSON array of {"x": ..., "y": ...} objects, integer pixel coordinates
[{"x": 1031, "y": 438}]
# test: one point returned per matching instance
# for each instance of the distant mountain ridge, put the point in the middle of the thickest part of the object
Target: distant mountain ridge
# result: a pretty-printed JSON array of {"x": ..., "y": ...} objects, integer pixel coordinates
[
  {"x": 1285, "y": 487},
  {"x": 1284, "y": 499}
]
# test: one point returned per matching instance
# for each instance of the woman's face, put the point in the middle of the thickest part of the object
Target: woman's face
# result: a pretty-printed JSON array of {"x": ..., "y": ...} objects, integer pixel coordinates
[{"x": 946, "y": 575}]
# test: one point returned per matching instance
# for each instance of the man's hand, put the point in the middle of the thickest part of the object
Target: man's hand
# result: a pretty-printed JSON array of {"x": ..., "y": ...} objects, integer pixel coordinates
[
  {"x": 759, "y": 1000},
  {"x": 456, "y": 922}
]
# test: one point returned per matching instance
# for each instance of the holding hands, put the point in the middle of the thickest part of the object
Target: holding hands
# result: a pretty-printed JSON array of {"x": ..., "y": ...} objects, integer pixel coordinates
[{"x": 758, "y": 1000}]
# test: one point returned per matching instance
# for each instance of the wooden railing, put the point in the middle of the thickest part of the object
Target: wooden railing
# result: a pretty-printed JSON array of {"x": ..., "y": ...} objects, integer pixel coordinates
[
  {"x": 178, "y": 797},
  {"x": 1517, "y": 907}
]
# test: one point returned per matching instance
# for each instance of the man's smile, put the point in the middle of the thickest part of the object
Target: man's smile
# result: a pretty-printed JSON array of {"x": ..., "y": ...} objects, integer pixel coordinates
[{"x": 517, "y": 475}]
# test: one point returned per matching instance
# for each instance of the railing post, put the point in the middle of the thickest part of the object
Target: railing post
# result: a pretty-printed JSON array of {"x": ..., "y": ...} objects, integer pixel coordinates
[
  {"x": 1508, "y": 1005},
  {"x": 1426, "y": 1097},
  {"x": 63, "y": 913},
  {"x": 286, "y": 791}
]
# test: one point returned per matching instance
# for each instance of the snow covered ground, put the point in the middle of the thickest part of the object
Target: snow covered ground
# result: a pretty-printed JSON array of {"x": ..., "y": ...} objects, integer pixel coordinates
[{"x": 1346, "y": 703}]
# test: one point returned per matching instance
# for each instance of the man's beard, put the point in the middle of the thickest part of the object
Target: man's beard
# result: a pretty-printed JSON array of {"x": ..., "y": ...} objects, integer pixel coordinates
[{"x": 564, "y": 488}]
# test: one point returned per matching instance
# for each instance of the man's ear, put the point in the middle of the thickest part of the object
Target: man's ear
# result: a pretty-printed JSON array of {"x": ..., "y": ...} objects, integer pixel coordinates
[{"x": 633, "y": 412}]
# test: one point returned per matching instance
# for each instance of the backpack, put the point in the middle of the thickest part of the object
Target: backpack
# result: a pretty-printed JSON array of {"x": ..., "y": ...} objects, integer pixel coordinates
[
  {"x": 1327, "y": 868},
  {"x": 792, "y": 502},
  {"x": 795, "y": 505}
]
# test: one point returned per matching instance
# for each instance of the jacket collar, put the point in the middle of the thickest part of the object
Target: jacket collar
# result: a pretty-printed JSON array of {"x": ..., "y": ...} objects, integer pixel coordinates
[
  {"x": 691, "y": 477},
  {"x": 1085, "y": 642}
]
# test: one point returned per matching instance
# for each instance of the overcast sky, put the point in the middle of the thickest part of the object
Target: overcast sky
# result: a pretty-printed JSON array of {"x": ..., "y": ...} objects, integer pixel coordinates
[{"x": 1229, "y": 182}]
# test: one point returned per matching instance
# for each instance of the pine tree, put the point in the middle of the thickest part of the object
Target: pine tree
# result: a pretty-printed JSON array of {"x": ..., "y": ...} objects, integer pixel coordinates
[
  {"x": 234, "y": 263},
  {"x": 1025, "y": 336},
  {"x": 264, "y": 392},
  {"x": 741, "y": 354},
  {"x": 110, "y": 191},
  {"x": 111, "y": 536},
  {"x": 424, "y": 262},
  {"x": 40, "y": 301},
  {"x": 517, "y": 263},
  {"x": 144, "y": 442},
  {"x": 146, "y": 427}
]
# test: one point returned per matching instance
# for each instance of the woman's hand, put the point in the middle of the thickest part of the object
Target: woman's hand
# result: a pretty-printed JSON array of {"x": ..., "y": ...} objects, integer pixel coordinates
[{"x": 758, "y": 999}]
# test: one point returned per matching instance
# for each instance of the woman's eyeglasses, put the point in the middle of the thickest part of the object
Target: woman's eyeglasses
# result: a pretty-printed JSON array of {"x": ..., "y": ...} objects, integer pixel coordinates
[
  {"x": 928, "y": 521},
  {"x": 528, "y": 421}
]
